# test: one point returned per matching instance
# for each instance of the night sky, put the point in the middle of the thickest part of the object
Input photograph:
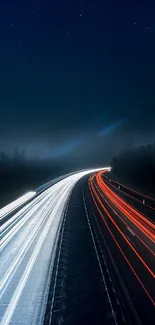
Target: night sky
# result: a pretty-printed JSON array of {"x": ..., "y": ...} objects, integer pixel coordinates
[{"x": 77, "y": 78}]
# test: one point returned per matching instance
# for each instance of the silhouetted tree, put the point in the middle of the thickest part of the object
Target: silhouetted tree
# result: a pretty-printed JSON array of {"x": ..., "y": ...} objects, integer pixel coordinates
[
  {"x": 19, "y": 175},
  {"x": 136, "y": 167}
]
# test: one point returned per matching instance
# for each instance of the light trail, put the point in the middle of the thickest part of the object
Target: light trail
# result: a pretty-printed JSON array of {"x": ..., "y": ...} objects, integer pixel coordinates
[
  {"x": 132, "y": 190},
  {"x": 143, "y": 196},
  {"x": 121, "y": 232},
  {"x": 28, "y": 246},
  {"x": 103, "y": 196},
  {"x": 121, "y": 250},
  {"x": 124, "y": 222},
  {"x": 16, "y": 204},
  {"x": 146, "y": 226}
]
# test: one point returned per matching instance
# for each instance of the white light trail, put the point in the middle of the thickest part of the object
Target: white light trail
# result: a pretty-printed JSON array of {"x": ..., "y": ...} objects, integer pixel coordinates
[
  {"x": 28, "y": 246},
  {"x": 15, "y": 204}
]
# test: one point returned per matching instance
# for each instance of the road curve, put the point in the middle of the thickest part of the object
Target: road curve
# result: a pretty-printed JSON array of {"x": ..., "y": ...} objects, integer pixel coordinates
[
  {"x": 130, "y": 234},
  {"x": 79, "y": 254},
  {"x": 28, "y": 245}
]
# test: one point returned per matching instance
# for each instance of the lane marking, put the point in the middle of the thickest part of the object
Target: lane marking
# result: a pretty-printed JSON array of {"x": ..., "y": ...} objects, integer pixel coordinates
[
  {"x": 141, "y": 283},
  {"x": 110, "y": 303},
  {"x": 131, "y": 231}
]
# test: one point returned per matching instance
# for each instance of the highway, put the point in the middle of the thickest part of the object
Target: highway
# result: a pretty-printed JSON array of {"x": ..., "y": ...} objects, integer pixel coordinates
[
  {"x": 130, "y": 236},
  {"x": 80, "y": 251},
  {"x": 28, "y": 244}
]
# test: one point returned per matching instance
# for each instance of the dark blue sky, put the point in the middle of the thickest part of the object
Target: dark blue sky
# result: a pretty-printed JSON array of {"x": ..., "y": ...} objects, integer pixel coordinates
[{"x": 77, "y": 77}]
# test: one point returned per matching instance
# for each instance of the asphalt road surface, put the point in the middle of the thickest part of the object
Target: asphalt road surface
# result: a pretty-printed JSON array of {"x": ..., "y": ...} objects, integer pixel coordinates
[{"x": 80, "y": 252}]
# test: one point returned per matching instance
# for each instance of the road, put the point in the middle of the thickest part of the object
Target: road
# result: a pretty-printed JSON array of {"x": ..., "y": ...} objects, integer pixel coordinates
[
  {"x": 80, "y": 252},
  {"x": 28, "y": 244},
  {"x": 130, "y": 236}
]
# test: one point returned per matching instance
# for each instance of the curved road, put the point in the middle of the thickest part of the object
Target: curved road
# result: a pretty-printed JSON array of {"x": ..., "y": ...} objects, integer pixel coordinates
[
  {"x": 79, "y": 254},
  {"x": 28, "y": 245}
]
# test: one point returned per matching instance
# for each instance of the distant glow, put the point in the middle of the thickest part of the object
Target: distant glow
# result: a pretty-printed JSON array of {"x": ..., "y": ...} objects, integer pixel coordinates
[
  {"x": 63, "y": 149},
  {"x": 15, "y": 204},
  {"x": 112, "y": 127}
]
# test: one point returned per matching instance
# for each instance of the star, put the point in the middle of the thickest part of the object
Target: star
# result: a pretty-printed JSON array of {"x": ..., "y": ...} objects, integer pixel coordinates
[{"x": 80, "y": 14}]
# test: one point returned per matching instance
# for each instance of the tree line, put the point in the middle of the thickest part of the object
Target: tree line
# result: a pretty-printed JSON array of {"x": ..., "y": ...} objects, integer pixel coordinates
[
  {"x": 19, "y": 175},
  {"x": 136, "y": 167}
]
